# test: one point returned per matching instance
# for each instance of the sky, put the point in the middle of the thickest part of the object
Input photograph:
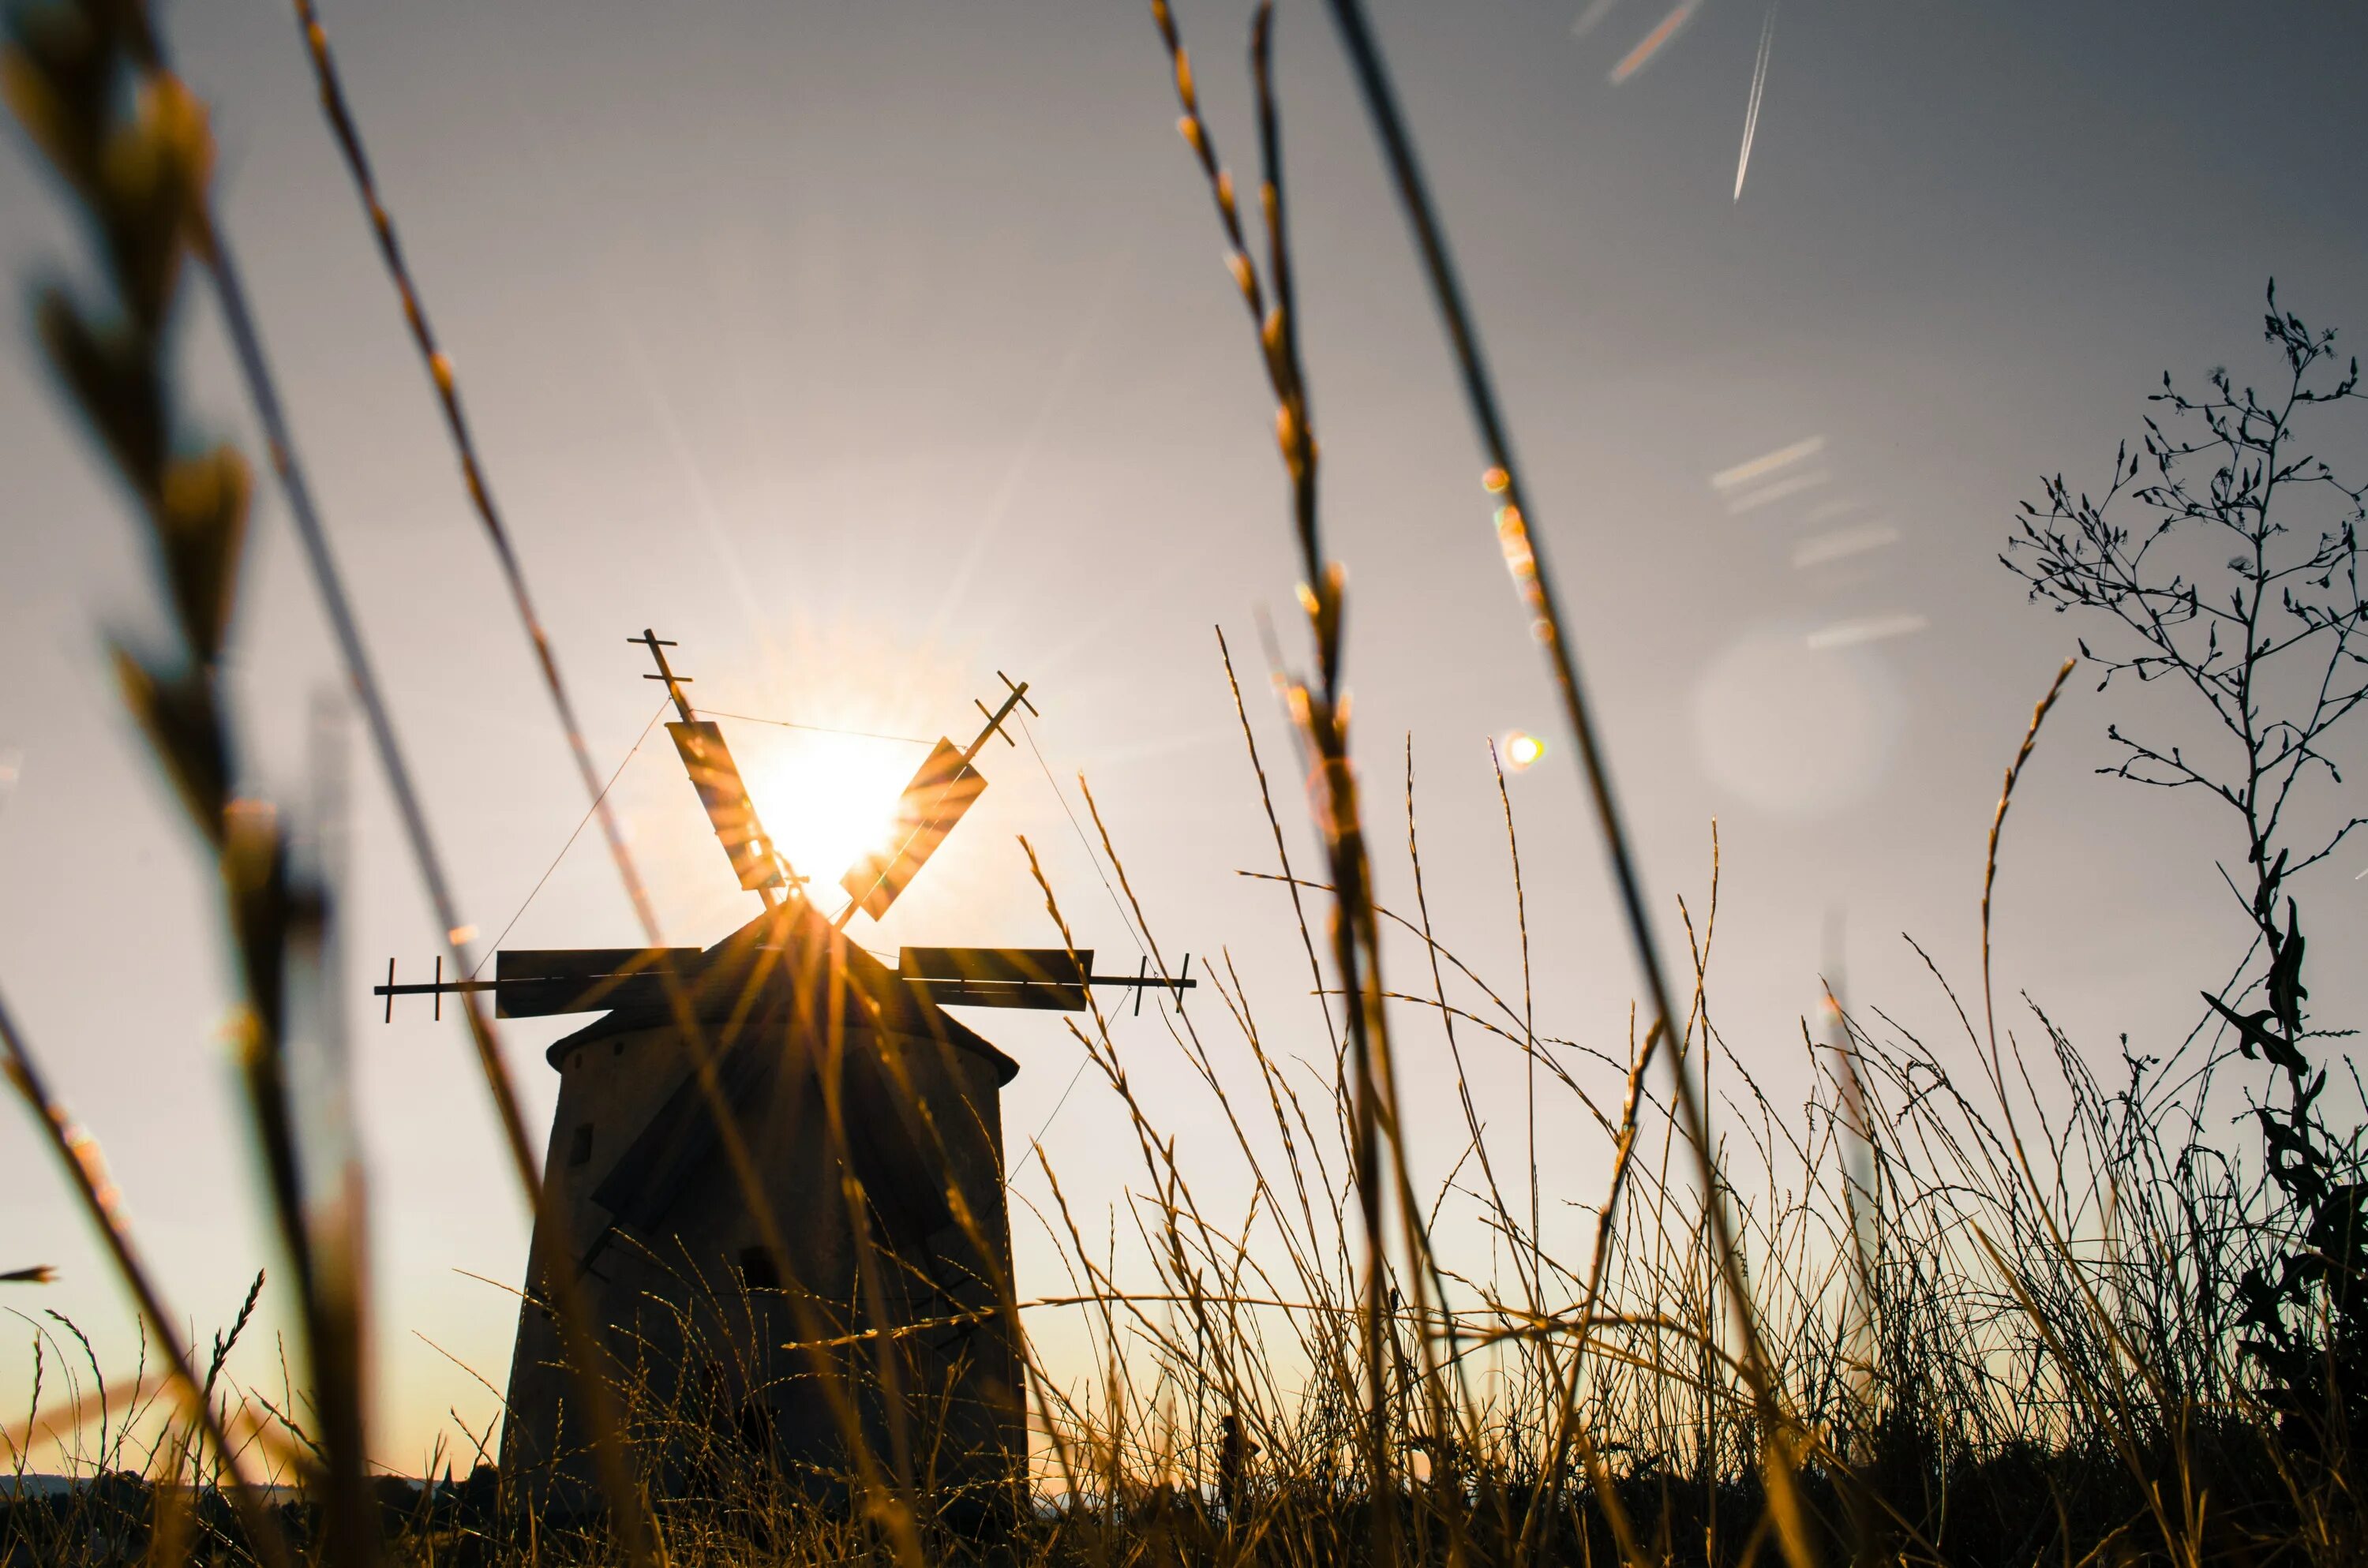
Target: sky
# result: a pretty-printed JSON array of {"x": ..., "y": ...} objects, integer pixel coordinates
[{"x": 867, "y": 351}]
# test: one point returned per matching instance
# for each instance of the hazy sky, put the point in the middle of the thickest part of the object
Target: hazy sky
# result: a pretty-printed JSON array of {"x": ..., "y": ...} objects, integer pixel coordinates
[{"x": 866, "y": 350}]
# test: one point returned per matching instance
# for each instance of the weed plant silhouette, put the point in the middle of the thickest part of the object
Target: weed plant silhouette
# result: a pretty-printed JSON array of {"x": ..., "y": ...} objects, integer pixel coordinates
[{"x": 2225, "y": 552}]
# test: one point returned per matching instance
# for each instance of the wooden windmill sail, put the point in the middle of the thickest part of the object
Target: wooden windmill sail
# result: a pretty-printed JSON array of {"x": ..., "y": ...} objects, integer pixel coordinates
[{"x": 869, "y": 1117}]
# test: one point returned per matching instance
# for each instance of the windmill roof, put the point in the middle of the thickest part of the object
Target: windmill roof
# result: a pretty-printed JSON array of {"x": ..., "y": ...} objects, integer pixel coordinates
[{"x": 794, "y": 954}]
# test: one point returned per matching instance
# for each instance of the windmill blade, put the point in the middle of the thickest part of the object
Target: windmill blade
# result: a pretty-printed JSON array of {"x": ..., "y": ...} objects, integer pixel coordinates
[
  {"x": 932, "y": 803},
  {"x": 1051, "y": 978},
  {"x": 717, "y": 778},
  {"x": 532, "y": 982}
]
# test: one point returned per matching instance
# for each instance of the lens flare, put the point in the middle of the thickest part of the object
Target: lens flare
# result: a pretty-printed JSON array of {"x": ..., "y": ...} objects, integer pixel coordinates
[
  {"x": 1520, "y": 750},
  {"x": 827, "y": 799},
  {"x": 1636, "y": 59}
]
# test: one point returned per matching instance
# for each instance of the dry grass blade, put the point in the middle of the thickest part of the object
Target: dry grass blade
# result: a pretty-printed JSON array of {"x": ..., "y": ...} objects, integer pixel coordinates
[
  {"x": 441, "y": 374},
  {"x": 1531, "y": 577},
  {"x": 892, "y": 1504},
  {"x": 1998, "y": 825},
  {"x": 204, "y": 774},
  {"x": 78, "y": 1158},
  {"x": 1320, "y": 712}
]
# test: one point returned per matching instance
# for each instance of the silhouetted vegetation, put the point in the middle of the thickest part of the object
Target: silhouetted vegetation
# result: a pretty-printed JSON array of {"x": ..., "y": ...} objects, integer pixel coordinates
[{"x": 2237, "y": 581}]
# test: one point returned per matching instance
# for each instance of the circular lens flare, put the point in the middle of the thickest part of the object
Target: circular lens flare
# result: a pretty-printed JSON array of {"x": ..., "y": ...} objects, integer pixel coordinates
[{"x": 1520, "y": 750}]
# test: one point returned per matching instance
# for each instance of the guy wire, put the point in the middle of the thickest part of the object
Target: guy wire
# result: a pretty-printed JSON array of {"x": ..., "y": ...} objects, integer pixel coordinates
[
  {"x": 1058, "y": 794},
  {"x": 1035, "y": 1142},
  {"x": 572, "y": 837},
  {"x": 822, "y": 729}
]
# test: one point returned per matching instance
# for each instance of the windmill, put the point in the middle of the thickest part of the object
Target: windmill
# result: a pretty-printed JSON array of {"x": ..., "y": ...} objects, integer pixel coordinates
[{"x": 871, "y": 1118}]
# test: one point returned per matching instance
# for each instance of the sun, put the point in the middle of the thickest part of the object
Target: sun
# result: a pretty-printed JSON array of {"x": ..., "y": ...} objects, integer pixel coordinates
[{"x": 826, "y": 799}]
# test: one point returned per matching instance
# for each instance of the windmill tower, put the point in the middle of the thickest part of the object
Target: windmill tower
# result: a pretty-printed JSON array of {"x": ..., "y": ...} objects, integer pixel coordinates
[{"x": 866, "y": 1117}]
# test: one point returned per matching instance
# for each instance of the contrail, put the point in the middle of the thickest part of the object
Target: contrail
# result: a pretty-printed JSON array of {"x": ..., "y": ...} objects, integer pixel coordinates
[{"x": 1752, "y": 110}]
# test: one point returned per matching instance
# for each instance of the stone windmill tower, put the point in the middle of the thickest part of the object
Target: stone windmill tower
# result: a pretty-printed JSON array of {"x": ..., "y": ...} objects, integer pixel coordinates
[{"x": 869, "y": 1121}]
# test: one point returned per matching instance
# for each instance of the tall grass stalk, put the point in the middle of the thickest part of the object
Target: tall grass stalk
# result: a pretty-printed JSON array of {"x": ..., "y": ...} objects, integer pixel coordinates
[
  {"x": 1524, "y": 559},
  {"x": 889, "y": 1501}
]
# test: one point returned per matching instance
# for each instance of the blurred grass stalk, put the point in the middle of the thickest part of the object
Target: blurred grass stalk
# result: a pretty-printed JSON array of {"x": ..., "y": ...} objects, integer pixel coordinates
[
  {"x": 132, "y": 148},
  {"x": 887, "y": 1489},
  {"x": 1782, "y": 1441},
  {"x": 1319, "y": 709}
]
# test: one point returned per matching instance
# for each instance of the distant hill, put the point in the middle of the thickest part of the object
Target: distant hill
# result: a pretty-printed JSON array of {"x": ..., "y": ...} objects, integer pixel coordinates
[{"x": 30, "y": 1486}]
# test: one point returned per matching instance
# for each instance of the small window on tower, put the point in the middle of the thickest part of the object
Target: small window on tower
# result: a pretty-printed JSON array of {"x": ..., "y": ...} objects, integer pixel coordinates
[
  {"x": 756, "y": 1270},
  {"x": 579, "y": 1152}
]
